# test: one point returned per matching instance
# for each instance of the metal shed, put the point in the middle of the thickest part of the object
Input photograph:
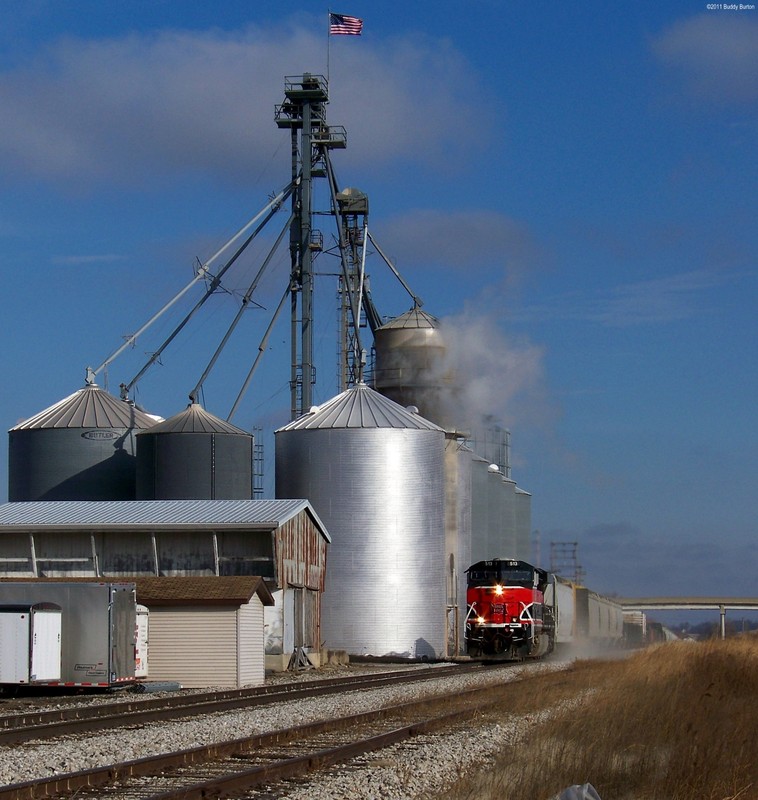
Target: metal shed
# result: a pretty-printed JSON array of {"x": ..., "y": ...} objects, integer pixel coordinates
[
  {"x": 206, "y": 631},
  {"x": 282, "y": 541}
]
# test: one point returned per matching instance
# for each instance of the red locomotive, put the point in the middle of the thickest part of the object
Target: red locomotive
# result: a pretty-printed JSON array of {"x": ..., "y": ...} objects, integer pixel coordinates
[{"x": 507, "y": 615}]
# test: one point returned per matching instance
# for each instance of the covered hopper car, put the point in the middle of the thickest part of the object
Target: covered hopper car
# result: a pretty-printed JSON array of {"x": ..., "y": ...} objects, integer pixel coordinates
[{"x": 517, "y": 610}]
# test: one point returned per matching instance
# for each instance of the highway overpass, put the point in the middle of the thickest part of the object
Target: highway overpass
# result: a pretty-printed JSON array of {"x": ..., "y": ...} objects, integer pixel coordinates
[{"x": 720, "y": 604}]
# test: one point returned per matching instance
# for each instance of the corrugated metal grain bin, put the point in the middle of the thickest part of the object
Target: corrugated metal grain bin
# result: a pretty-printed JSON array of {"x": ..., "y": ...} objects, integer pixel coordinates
[
  {"x": 30, "y": 643},
  {"x": 410, "y": 366},
  {"x": 194, "y": 456},
  {"x": 457, "y": 537},
  {"x": 523, "y": 514},
  {"x": 374, "y": 473},
  {"x": 81, "y": 448},
  {"x": 98, "y": 627}
]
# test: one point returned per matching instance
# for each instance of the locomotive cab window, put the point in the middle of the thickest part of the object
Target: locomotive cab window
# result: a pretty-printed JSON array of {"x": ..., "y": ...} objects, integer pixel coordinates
[{"x": 518, "y": 576}]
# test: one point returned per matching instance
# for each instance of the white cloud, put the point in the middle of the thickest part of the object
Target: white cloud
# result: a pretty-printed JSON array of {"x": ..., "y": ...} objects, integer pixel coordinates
[
  {"x": 717, "y": 53},
  {"x": 141, "y": 107},
  {"x": 458, "y": 240}
]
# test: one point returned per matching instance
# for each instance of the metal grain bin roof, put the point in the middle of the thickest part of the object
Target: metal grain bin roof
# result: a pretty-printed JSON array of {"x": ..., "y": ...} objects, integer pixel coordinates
[
  {"x": 153, "y": 514},
  {"x": 415, "y": 318},
  {"x": 195, "y": 419},
  {"x": 359, "y": 407},
  {"x": 90, "y": 407}
]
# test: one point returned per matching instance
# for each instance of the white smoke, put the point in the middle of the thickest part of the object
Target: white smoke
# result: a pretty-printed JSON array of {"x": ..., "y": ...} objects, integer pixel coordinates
[{"x": 498, "y": 379}]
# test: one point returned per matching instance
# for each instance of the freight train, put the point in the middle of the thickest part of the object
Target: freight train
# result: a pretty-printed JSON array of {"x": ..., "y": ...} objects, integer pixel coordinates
[{"x": 516, "y": 610}]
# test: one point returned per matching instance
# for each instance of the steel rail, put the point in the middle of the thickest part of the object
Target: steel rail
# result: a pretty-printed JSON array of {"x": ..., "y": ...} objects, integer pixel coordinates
[
  {"x": 299, "y": 766},
  {"x": 49, "y": 724},
  {"x": 153, "y": 766}
]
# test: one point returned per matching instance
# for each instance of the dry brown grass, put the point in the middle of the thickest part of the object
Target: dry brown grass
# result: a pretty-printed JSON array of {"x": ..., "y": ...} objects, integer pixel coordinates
[{"x": 675, "y": 722}]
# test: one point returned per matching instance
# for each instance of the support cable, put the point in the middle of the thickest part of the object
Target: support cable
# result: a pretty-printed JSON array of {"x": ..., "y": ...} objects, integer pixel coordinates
[
  {"x": 261, "y": 349},
  {"x": 273, "y": 208},
  {"x": 417, "y": 301},
  {"x": 201, "y": 273},
  {"x": 245, "y": 300}
]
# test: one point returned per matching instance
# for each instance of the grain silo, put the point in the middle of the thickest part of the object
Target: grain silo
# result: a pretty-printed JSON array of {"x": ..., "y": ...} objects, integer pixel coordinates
[
  {"x": 523, "y": 525},
  {"x": 458, "y": 460},
  {"x": 80, "y": 448},
  {"x": 194, "y": 455},
  {"x": 411, "y": 366},
  {"x": 494, "y": 512},
  {"x": 373, "y": 472}
]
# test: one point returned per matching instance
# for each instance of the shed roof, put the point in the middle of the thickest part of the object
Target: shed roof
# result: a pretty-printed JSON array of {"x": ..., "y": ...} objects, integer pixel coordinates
[
  {"x": 89, "y": 407},
  {"x": 360, "y": 407},
  {"x": 154, "y": 515},
  {"x": 172, "y": 591},
  {"x": 206, "y": 590}
]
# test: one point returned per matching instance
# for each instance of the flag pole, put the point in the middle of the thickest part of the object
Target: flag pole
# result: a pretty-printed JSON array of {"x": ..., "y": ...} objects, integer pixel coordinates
[{"x": 328, "y": 41}]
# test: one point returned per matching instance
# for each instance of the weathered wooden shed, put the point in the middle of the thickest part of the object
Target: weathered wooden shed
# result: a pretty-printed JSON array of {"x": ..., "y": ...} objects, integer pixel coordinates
[
  {"x": 282, "y": 541},
  {"x": 206, "y": 631}
]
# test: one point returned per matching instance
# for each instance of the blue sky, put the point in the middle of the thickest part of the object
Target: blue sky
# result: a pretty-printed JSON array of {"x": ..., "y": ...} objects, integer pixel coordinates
[{"x": 573, "y": 186}]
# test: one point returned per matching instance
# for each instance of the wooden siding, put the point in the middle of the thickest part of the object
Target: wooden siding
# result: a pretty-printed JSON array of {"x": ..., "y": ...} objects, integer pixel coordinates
[{"x": 300, "y": 553}]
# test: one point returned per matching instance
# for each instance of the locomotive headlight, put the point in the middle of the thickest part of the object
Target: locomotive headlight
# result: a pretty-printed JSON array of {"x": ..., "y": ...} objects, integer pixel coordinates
[
  {"x": 480, "y": 620},
  {"x": 498, "y": 589}
]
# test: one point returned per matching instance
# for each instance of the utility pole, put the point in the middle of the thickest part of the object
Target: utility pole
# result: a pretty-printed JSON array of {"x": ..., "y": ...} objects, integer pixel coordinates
[{"x": 564, "y": 561}]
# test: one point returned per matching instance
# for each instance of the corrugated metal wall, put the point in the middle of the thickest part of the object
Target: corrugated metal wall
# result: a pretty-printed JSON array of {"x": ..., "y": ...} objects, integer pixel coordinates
[
  {"x": 71, "y": 464},
  {"x": 523, "y": 502},
  {"x": 68, "y": 556},
  {"x": 126, "y": 553},
  {"x": 457, "y": 537},
  {"x": 16, "y": 556},
  {"x": 380, "y": 493}
]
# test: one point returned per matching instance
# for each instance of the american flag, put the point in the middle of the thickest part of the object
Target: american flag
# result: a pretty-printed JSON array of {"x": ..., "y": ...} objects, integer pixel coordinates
[{"x": 344, "y": 24}]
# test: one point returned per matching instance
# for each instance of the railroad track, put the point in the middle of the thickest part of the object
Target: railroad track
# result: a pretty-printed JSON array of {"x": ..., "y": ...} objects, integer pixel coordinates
[
  {"x": 240, "y": 765},
  {"x": 25, "y": 727}
]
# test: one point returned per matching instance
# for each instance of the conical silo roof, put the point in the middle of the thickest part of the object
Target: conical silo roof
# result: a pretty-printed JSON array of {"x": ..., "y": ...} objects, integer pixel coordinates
[
  {"x": 90, "y": 407},
  {"x": 360, "y": 407},
  {"x": 415, "y": 318},
  {"x": 195, "y": 419}
]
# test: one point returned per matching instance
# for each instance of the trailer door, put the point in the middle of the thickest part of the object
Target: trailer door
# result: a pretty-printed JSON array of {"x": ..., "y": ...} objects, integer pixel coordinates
[{"x": 123, "y": 633}]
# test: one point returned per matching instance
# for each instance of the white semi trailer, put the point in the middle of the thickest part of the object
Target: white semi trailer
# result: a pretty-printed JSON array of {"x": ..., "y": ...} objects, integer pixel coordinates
[
  {"x": 98, "y": 627},
  {"x": 30, "y": 643}
]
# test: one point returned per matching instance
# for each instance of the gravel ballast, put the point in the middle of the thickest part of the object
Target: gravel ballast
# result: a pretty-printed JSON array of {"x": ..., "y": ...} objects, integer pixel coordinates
[{"x": 397, "y": 772}]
